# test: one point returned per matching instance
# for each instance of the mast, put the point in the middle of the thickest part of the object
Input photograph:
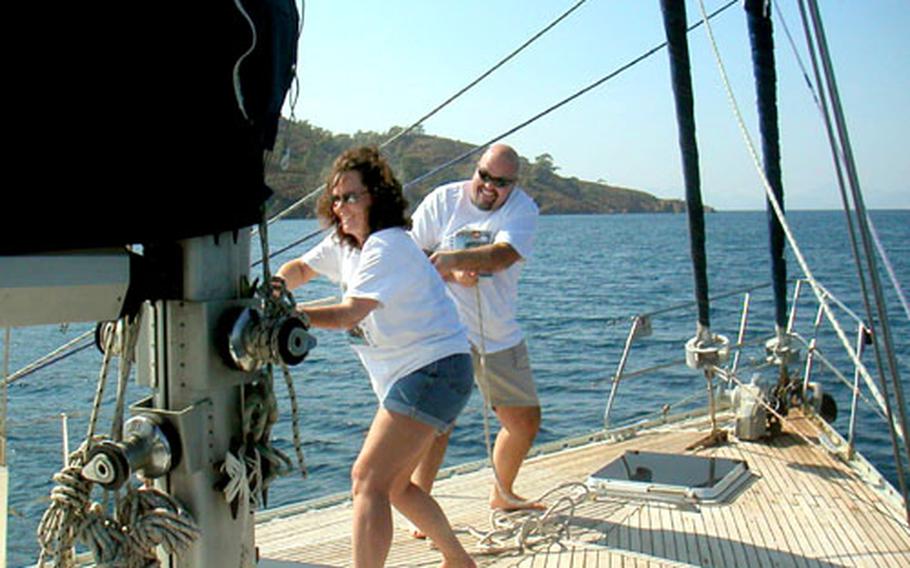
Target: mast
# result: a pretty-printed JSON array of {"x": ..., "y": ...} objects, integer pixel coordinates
[
  {"x": 677, "y": 45},
  {"x": 763, "y": 66},
  {"x": 184, "y": 142},
  {"x": 705, "y": 351},
  {"x": 201, "y": 395}
]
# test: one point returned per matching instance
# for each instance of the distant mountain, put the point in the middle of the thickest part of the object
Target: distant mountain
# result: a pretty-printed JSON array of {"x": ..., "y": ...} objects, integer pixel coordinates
[{"x": 307, "y": 153}]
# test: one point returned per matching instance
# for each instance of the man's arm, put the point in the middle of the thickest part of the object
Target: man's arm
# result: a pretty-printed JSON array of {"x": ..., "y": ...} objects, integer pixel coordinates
[{"x": 482, "y": 259}]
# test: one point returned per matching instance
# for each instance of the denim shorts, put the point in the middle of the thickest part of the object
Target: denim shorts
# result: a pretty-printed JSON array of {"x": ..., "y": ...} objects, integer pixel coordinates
[{"x": 434, "y": 394}]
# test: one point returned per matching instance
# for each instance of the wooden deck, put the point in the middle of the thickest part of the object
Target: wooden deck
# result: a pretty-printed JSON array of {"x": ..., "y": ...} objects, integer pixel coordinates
[{"x": 802, "y": 507}]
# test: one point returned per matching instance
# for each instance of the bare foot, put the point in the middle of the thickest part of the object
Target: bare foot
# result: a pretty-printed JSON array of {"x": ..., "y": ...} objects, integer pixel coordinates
[{"x": 513, "y": 503}]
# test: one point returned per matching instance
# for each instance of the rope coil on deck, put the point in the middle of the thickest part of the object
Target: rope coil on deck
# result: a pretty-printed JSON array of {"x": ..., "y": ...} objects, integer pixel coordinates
[{"x": 531, "y": 528}]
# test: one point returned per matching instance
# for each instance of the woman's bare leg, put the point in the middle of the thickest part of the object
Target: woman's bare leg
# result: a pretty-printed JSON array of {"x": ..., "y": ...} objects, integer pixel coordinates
[{"x": 381, "y": 475}]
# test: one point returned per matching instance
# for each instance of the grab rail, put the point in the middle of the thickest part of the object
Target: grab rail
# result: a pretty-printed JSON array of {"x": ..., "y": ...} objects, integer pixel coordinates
[{"x": 642, "y": 323}]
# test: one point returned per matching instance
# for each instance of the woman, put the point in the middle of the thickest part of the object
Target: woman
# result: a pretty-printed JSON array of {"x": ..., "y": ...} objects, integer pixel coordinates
[{"x": 408, "y": 336}]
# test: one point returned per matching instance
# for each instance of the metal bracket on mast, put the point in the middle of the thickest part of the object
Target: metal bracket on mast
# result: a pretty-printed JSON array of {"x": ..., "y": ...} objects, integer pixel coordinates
[{"x": 707, "y": 351}]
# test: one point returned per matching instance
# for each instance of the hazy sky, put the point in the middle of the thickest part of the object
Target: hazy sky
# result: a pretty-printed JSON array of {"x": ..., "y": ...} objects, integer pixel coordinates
[{"x": 370, "y": 65}]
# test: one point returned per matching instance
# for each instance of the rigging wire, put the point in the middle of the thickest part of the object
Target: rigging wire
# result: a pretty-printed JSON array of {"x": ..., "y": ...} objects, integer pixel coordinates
[
  {"x": 799, "y": 60},
  {"x": 445, "y": 103},
  {"x": 563, "y": 102},
  {"x": 890, "y": 269},
  {"x": 466, "y": 155},
  {"x": 838, "y": 157},
  {"x": 485, "y": 74},
  {"x": 859, "y": 205},
  {"x": 54, "y": 356},
  {"x": 408, "y": 185},
  {"x": 750, "y": 147},
  {"x": 786, "y": 227}
]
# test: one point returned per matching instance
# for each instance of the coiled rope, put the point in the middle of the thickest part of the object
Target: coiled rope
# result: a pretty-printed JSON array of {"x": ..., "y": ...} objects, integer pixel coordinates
[
  {"x": 295, "y": 419},
  {"x": 531, "y": 528},
  {"x": 144, "y": 519}
]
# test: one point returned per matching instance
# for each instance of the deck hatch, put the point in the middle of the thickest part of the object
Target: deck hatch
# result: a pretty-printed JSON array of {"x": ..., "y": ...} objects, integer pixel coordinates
[{"x": 669, "y": 477}]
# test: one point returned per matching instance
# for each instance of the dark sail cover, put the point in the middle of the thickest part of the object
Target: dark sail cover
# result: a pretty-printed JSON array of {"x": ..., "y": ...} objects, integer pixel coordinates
[{"x": 127, "y": 126}]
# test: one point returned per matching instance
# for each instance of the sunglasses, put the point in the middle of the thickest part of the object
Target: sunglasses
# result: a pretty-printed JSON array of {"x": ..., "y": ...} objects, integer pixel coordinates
[
  {"x": 499, "y": 182},
  {"x": 347, "y": 198}
]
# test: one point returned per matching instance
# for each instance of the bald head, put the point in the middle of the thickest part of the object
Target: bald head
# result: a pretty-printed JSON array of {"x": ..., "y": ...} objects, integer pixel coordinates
[
  {"x": 505, "y": 156},
  {"x": 494, "y": 178}
]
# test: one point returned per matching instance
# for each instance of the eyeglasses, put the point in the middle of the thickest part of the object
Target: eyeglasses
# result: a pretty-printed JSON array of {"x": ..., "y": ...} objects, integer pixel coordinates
[
  {"x": 499, "y": 182},
  {"x": 347, "y": 198}
]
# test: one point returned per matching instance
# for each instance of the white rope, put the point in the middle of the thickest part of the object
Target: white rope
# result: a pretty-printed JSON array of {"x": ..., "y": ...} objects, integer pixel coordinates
[
  {"x": 484, "y": 387},
  {"x": 238, "y": 89},
  {"x": 145, "y": 519},
  {"x": 887, "y": 262},
  {"x": 235, "y": 470},
  {"x": 778, "y": 211},
  {"x": 129, "y": 334},
  {"x": 66, "y": 517},
  {"x": 107, "y": 342},
  {"x": 530, "y": 528}
]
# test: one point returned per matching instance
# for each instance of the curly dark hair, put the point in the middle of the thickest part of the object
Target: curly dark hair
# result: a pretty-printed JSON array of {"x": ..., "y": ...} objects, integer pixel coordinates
[{"x": 388, "y": 207}]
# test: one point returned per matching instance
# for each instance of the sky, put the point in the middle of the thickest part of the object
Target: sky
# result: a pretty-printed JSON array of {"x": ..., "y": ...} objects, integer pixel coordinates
[{"x": 370, "y": 65}]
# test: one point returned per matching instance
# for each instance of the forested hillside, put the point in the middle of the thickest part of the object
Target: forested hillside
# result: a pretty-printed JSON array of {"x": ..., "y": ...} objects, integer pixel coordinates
[{"x": 304, "y": 154}]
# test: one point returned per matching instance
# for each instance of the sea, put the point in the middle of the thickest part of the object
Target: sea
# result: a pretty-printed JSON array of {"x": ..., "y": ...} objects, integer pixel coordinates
[{"x": 589, "y": 275}]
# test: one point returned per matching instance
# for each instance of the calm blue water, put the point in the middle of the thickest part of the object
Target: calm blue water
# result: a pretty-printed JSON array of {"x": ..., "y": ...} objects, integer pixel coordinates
[{"x": 589, "y": 274}]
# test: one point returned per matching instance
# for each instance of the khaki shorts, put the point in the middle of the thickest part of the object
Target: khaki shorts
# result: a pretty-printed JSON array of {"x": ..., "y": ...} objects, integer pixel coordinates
[{"x": 506, "y": 378}]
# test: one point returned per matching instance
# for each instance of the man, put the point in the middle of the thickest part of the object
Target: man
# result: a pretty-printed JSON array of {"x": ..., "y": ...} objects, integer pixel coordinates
[{"x": 481, "y": 231}]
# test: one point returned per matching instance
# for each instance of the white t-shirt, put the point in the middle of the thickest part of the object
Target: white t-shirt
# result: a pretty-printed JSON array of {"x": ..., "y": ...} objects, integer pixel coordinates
[
  {"x": 415, "y": 322},
  {"x": 448, "y": 220}
]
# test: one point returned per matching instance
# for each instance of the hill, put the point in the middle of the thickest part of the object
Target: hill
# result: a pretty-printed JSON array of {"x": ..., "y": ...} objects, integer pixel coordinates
[{"x": 309, "y": 151}]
